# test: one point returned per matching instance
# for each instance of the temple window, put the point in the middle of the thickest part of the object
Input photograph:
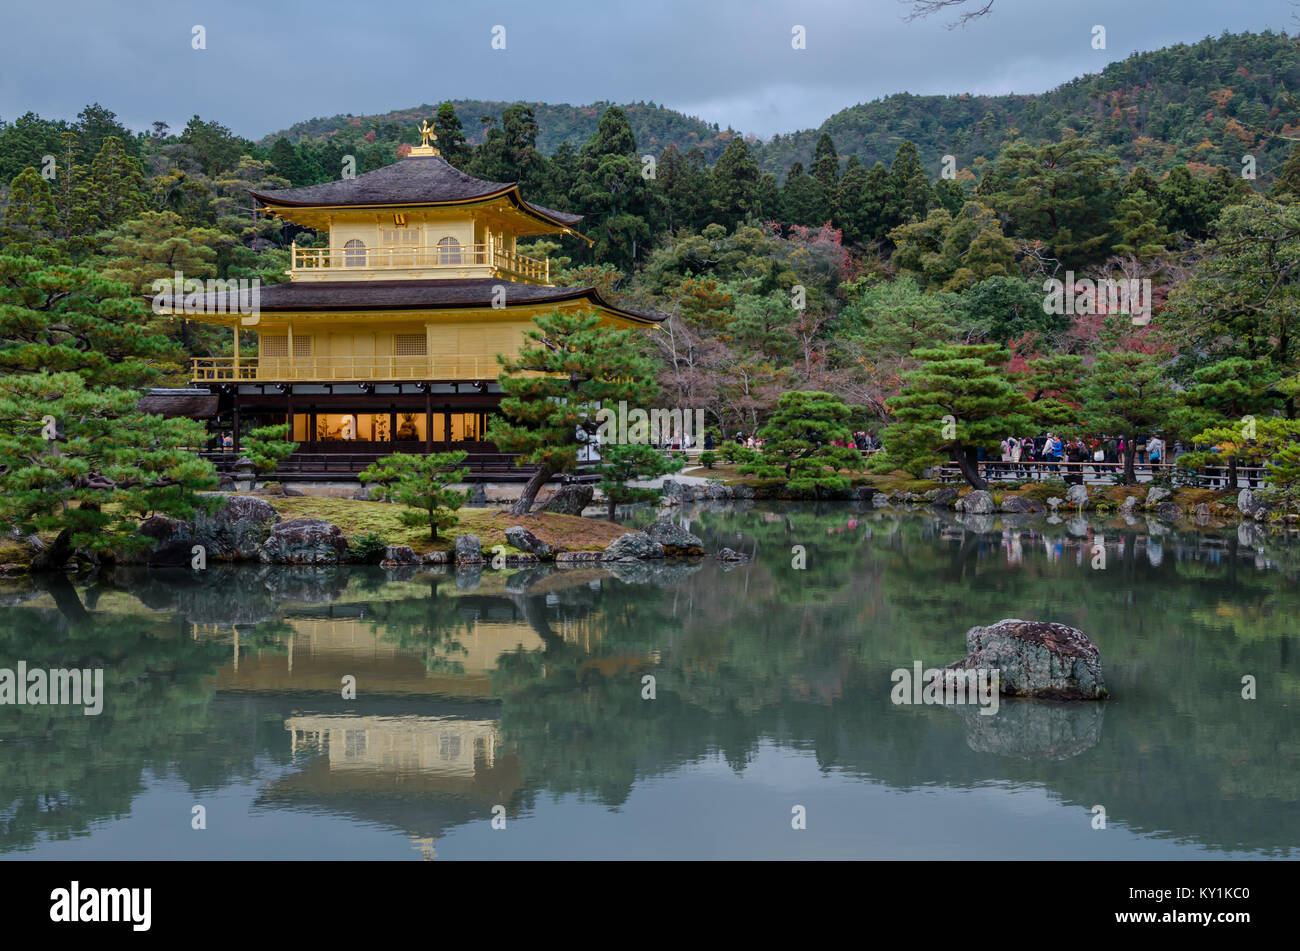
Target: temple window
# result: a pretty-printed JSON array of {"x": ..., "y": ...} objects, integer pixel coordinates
[
  {"x": 448, "y": 251},
  {"x": 354, "y": 253}
]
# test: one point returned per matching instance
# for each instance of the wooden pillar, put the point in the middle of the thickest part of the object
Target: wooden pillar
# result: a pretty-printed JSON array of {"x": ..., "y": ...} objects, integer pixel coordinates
[
  {"x": 236, "y": 331},
  {"x": 288, "y": 436},
  {"x": 428, "y": 420},
  {"x": 392, "y": 424},
  {"x": 234, "y": 435},
  {"x": 292, "y": 375}
]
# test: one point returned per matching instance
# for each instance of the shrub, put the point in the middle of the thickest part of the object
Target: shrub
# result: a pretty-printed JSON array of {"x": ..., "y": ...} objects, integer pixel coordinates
[
  {"x": 707, "y": 458},
  {"x": 368, "y": 549}
]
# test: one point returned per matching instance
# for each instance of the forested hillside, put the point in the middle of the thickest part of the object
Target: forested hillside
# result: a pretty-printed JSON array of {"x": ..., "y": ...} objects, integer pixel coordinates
[
  {"x": 656, "y": 127},
  {"x": 1203, "y": 104},
  {"x": 913, "y": 296}
]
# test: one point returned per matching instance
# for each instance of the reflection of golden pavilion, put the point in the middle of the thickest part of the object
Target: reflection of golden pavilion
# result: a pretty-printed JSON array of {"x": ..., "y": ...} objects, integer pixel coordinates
[
  {"x": 322, "y": 649},
  {"x": 446, "y": 745}
]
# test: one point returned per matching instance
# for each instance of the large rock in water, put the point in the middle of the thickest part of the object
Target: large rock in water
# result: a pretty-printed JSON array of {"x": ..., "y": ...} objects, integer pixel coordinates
[
  {"x": 305, "y": 541},
  {"x": 1040, "y": 659},
  {"x": 675, "y": 539},
  {"x": 570, "y": 499},
  {"x": 1077, "y": 495},
  {"x": 633, "y": 546},
  {"x": 978, "y": 502}
]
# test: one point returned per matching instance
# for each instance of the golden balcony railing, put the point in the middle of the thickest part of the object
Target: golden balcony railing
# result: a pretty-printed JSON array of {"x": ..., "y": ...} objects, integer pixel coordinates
[
  {"x": 450, "y": 257},
  {"x": 346, "y": 369}
]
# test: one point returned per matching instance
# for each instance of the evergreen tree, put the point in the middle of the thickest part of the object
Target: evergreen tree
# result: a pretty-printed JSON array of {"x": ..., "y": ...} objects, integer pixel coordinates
[
  {"x": 421, "y": 482},
  {"x": 957, "y": 401},
  {"x": 1222, "y": 395},
  {"x": 826, "y": 173},
  {"x": 96, "y": 125},
  {"x": 570, "y": 365},
  {"x": 800, "y": 202},
  {"x": 1137, "y": 225},
  {"x": 954, "y": 253},
  {"x": 851, "y": 214},
  {"x": 684, "y": 182},
  {"x": 1062, "y": 193},
  {"x": 620, "y": 202},
  {"x": 1126, "y": 393},
  {"x": 621, "y": 463},
  {"x": 735, "y": 185},
  {"x": 1242, "y": 299},
  {"x": 451, "y": 142},
  {"x": 290, "y": 163},
  {"x": 807, "y": 442},
  {"x": 30, "y": 225},
  {"x": 909, "y": 193},
  {"x": 61, "y": 318},
  {"x": 83, "y": 463},
  {"x": 114, "y": 191}
]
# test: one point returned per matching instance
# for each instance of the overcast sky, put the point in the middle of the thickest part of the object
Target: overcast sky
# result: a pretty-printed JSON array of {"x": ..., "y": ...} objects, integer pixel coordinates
[{"x": 269, "y": 63}]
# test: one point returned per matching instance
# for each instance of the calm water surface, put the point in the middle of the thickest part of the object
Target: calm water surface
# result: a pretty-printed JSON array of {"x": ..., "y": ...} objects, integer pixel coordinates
[{"x": 520, "y": 694}]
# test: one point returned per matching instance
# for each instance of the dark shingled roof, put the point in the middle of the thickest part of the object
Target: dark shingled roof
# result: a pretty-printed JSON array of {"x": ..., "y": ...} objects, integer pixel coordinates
[
  {"x": 415, "y": 180},
  {"x": 417, "y": 295},
  {"x": 193, "y": 404}
]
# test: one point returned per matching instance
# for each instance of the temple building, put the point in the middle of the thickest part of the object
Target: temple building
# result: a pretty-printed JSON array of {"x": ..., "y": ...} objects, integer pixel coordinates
[{"x": 386, "y": 338}]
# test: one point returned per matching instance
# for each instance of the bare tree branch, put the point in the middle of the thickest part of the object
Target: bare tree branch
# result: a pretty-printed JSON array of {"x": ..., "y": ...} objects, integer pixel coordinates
[{"x": 925, "y": 8}]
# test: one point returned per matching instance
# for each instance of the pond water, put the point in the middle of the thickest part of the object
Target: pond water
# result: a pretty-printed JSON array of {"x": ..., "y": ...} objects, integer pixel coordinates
[{"x": 520, "y": 696}]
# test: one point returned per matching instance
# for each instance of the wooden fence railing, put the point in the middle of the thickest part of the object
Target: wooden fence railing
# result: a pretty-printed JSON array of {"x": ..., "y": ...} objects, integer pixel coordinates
[{"x": 1099, "y": 473}]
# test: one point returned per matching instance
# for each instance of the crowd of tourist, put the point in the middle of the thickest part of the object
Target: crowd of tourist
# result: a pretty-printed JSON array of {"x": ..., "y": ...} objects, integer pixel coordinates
[{"x": 1022, "y": 455}]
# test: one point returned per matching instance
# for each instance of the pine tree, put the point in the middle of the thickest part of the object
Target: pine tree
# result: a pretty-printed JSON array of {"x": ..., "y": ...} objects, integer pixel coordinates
[
  {"x": 621, "y": 204},
  {"x": 1126, "y": 393},
  {"x": 30, "y": 225},
  {"x": 571, "y": 364},
  {"x": 1062, "y": 193},
  {"x": 621, "y": 463},
  {"x": 1137, "y": 224},
  {"x": 421, "y": 482},
  {"x": 83, "y": 463},
  {"x": 267, "y": 446},
  {"x": 957, "y": 401},
  {"x": 800, "y": 444},
  {"x": 1222, "y": 395},
  {"x": 61, "y": 318},
  {"x": 115, "y": 190}
]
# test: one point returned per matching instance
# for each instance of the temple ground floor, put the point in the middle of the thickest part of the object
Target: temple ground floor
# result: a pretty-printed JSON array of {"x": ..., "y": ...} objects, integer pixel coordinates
[{"x": 341, "y": 428}]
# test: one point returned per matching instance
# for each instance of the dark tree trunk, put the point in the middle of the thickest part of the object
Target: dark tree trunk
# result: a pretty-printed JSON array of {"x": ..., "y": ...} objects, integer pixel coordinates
[
  {"x": 612, "y": 505},
  {"x": 969, "y": 469},
  {"x": 55, "y": 556},
  {"x": 531, "y": 488},
  {"x": 1130, "y": 453},
  {"x": 1232, "y": 472}
]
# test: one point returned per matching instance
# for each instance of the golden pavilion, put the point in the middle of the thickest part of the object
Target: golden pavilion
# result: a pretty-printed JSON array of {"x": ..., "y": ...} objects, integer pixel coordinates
[{"x": 386, "y": 338}]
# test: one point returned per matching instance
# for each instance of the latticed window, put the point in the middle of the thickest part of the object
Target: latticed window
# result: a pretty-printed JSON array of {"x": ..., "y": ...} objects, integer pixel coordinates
[
  {"x": 302, "y": 346},
  {"x": 411, "y": 345},
  {"x": 275, "y": 347},
  {"x": 354, "y": 253},
  {"x": 449, "y": 251},
  {"x": 400, "y": 245}
]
